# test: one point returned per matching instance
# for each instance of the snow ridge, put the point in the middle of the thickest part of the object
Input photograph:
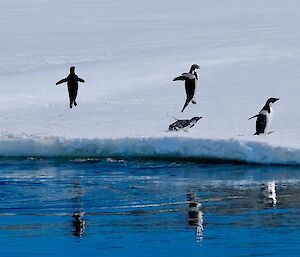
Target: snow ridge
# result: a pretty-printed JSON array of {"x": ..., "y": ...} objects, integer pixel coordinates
[{"x": 176, "y": 148}]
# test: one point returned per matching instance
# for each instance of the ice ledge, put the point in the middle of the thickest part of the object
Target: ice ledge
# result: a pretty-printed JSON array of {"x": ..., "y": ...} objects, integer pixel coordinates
[{"x": 150, "y": 147}]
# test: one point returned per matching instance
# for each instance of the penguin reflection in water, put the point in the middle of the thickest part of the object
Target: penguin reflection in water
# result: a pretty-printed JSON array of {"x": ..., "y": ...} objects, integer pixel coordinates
[
  {"x": 190, "y": 79},
  {"x": 195, "y": 215},
  {"x": 78, "y": 223},
  {"x": 264, "y": 117},
  {"x": 72, "y": 80}
]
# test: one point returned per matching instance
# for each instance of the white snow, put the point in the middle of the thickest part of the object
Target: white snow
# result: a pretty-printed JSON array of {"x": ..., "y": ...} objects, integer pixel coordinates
[{"x": 128, "y": 52}]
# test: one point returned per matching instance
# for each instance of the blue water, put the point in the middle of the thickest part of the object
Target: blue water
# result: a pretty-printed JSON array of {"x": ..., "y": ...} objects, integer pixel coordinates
[{"x": 86, "y": 207}]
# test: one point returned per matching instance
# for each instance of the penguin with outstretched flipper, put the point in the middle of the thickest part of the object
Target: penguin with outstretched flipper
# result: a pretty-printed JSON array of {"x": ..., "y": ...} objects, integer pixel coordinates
[
  {"x": 190, "y": 79},
  {"x": 72, "y": 80}
]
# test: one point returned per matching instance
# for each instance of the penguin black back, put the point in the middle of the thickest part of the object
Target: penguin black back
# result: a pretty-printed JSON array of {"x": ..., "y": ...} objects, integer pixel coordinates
[{"x": 261, "y": 124}]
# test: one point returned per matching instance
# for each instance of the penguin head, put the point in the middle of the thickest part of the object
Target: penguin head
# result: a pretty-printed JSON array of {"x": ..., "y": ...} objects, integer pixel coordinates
[
  {"x": 72, "y": 70},
  {"x": 195, "y": 119},
  {"x": 194, "y": 67},
  {"x": 271, "y": 100}
]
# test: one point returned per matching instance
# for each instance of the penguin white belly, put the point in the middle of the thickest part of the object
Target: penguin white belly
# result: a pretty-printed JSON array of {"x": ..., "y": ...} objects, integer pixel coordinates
[
  {"x": 269, "y": 119},
  {"x": 267, "y": 124}
]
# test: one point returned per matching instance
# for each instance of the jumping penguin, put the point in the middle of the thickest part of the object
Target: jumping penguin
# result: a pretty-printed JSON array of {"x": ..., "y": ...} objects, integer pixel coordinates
[
  {"x": 264, "y": 117},
  {"x": 190, "y": 79},
  {"x": 72, "y": 80}
]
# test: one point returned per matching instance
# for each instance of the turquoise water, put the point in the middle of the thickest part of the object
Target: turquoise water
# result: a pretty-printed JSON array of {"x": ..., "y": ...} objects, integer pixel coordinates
[{"x": 89, "y": 207}]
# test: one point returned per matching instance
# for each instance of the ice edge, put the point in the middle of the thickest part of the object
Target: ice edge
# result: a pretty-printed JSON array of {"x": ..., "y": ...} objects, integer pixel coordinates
[{"x": 151, "y": 147}]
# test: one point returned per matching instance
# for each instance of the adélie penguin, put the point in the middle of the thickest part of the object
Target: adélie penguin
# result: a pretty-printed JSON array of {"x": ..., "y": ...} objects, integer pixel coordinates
[
  {"x": 183, "y": 124},
  {"x": 190, "y": 79},
  {"x": 72, "y": 81},
  {"x": 264, "y": 117}
]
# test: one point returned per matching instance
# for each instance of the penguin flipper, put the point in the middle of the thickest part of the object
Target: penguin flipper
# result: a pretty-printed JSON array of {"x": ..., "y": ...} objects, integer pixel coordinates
[
  {"x": 62, "y": 81},
  {"x": 185, "y": 76},
  {"x": 80, "y": 80},
  {"x": 188, "y": 75},
  {"x": 180, "y": 78},
  {"x": 253, "y": 116}
]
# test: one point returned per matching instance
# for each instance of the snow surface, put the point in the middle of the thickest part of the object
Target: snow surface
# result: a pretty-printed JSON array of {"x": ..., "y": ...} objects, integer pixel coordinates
[{"x": 129, "y": 52}]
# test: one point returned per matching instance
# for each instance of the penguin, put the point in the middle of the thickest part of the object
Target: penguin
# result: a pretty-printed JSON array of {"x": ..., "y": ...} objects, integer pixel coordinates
[
  {"x": 264, "y": 117},
  {"x": 72, "y": 80},
  {"x": 190, "y": 79},
  {"x": 182, "y": 124}
]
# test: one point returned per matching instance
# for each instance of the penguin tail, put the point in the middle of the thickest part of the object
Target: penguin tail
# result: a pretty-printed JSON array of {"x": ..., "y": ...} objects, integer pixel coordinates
[{"x": 253, "y": 117}]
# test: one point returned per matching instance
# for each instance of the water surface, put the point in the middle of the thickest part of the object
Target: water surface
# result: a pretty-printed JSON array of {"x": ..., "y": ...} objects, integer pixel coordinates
[{"x": 89, "y": 207}]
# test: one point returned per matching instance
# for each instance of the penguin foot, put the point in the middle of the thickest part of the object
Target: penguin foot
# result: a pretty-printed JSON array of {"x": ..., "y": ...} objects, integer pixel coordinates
[
  {"x": 75, "y": 104},
  {"x": 194, "y": 102},
  {"x": 70, "y": 105}
]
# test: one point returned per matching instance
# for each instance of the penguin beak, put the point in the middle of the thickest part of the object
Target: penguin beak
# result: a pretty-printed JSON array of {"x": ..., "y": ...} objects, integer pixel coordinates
[{"x": 276, "y": 99}]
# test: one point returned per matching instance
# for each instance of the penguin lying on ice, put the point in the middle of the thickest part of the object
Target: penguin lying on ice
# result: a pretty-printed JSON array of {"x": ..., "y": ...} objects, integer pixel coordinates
[
  {"x": 190, "y": 79},
  {"x": 183, "y": 124},
  {"x": 264, "y": 117}
]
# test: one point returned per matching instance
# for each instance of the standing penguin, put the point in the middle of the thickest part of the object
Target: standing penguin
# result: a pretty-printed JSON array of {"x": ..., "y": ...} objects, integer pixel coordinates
[
  {"x": 264, "y": 117},
  {"x": 190, "y": 79},
  {"x": 72, "y": 80}
]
